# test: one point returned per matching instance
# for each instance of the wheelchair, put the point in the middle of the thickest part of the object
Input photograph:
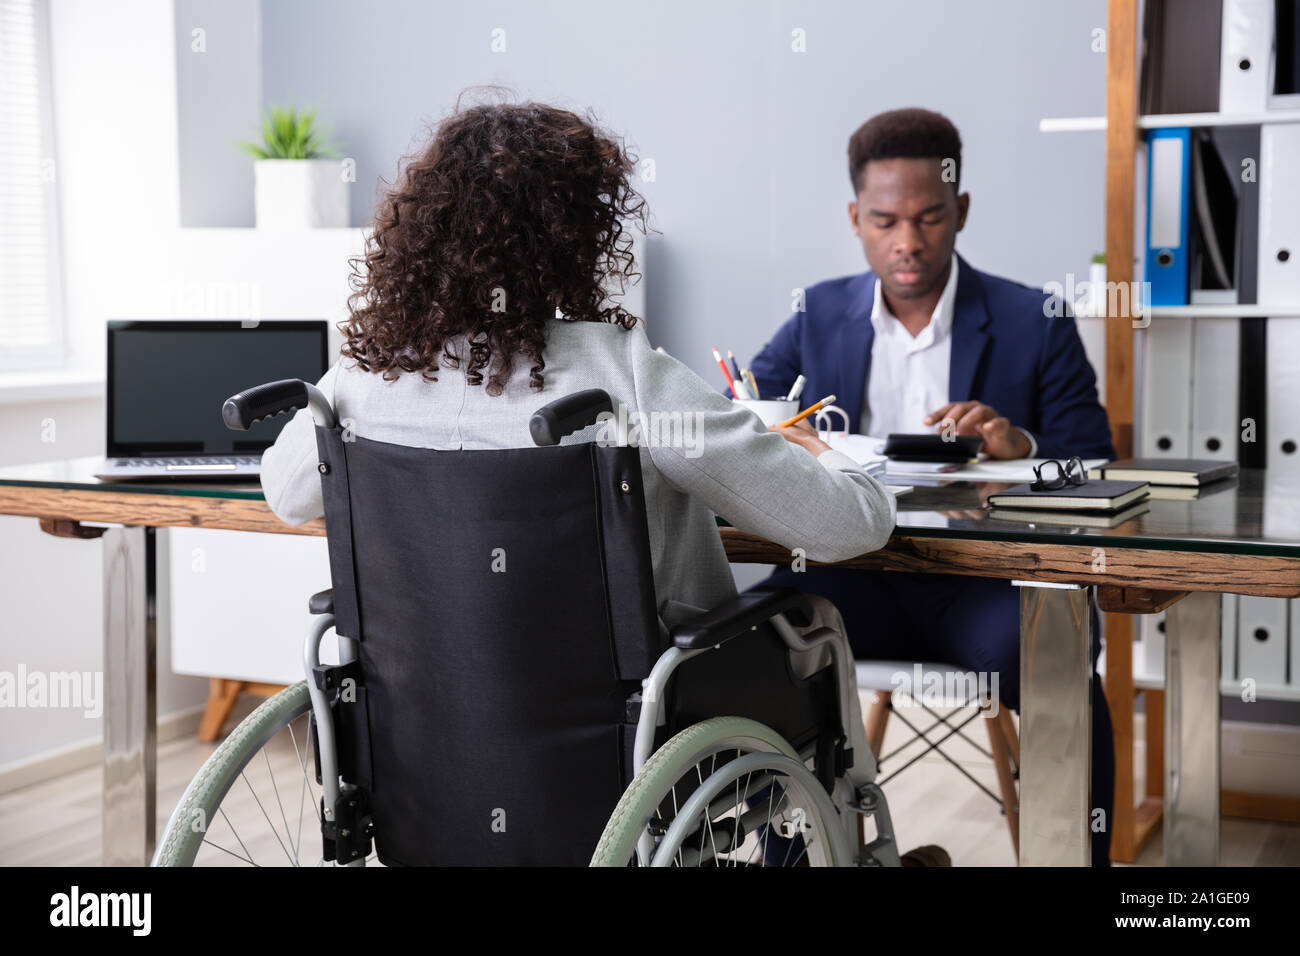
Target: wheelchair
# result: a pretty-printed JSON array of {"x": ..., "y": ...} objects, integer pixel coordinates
[{"x": 505, "y": 693}]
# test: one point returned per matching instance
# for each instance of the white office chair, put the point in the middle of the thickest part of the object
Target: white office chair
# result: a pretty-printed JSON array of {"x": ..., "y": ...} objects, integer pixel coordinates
[{"x": 886, "y": 679}]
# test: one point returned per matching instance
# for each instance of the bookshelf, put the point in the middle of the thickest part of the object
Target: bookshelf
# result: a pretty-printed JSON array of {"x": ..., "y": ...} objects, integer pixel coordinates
[
  {"x": 1227, "y": 311},
  {"x": 1083, "y": 124},
  {"x": 1135, "y": 821}
]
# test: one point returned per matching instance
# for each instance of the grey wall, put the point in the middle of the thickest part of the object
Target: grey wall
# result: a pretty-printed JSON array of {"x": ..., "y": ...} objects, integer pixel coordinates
[
  {"x": 218, "y": 93},
  {"x": 748, "y": 137}
]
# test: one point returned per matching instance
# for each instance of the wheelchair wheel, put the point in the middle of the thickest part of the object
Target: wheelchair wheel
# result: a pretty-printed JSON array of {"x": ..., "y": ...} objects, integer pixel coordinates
[
  {"x": 724, "y": 792},
  {"x": 255, "y": 801}
]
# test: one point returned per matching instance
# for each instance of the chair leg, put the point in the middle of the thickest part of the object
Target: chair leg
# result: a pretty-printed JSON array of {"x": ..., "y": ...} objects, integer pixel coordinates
[
  {"x": 877, "y": 719},
  {"x": 1006, "y": 782},
  {"x": 222, "y": 695},
  {"x": 1008, "y": 727}
]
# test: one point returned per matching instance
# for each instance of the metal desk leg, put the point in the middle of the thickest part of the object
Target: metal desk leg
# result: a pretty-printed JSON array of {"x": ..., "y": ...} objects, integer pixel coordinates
[
  {"x": 1192, "y": 731},
  {"x": 130, "y": 691},
  {"x": 1055, "y": 724}
]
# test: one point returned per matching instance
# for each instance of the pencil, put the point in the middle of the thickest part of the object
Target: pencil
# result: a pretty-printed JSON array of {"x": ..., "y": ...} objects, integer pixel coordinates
[
  {"x": 811, "y": 409},
  {"x": 753, "y": 383}
]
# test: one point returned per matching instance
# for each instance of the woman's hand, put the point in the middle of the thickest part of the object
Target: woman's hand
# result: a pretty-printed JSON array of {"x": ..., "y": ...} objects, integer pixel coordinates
[{"x": 803, "y": 434}]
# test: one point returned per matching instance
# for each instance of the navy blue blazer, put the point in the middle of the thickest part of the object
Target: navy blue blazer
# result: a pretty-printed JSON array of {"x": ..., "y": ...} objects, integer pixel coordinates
[{"x": 1006, "y": 352}]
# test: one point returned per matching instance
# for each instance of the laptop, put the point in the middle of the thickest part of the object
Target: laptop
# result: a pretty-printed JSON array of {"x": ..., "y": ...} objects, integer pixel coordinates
[{"x": 167, "y": 381}]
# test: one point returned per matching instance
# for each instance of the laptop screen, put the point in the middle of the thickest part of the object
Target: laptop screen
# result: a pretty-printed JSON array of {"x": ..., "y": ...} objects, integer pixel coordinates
[{"x": 167, "y": 381}]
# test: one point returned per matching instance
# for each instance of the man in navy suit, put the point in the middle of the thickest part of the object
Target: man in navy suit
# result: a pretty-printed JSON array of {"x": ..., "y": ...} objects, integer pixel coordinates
[{"x": 925, "y": 342}]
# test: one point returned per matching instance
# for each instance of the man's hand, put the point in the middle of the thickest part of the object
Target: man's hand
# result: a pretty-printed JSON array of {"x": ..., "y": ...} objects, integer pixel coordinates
[
  {"x": 803, "y": 434},
  {"x": 1001, "y": 439}
]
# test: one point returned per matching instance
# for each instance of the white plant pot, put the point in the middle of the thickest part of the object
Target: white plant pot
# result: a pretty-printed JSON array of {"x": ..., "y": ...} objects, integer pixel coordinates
[
  {"x": 1097, "y": 297},
  {"x": 300, "y": 194}
]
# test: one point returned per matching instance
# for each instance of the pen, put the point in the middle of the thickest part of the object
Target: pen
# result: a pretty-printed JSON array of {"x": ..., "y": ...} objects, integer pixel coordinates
[
  {"x": 736, "y": 388},
  {"x": 808, "y": 411},
  {"x": 797, "y": 389}
]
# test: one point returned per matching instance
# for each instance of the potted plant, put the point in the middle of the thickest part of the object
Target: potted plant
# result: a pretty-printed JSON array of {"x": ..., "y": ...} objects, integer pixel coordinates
[{"x": 298, "y": 182}]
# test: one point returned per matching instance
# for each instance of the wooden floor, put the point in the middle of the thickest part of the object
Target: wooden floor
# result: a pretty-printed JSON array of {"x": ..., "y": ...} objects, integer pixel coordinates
[
  {"x": 931, "y": 802},
  {"x": 57, "y": 822}
]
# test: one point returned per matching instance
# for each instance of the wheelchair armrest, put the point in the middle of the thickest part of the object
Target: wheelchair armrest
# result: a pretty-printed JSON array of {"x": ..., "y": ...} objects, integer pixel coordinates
[
  {"x": 741, "y": 614},
  {"x": 322, "y": 602},
  {"x": 567, "y": 415}
]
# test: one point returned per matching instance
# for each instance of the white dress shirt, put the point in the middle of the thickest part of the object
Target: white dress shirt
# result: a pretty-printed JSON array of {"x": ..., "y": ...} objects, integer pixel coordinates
[{"x": 909, "y": 375}]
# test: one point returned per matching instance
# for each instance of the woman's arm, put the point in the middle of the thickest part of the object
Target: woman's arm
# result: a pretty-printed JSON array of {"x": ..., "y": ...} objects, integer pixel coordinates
[
  {"x": 290, "y": 480},
  {"x": 754, "y": 478}
]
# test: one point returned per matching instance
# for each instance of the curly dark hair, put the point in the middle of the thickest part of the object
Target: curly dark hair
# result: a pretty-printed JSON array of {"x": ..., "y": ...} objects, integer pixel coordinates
[
  {"x": 510, "y": 213},
  {"x": 911, "y": 133}
]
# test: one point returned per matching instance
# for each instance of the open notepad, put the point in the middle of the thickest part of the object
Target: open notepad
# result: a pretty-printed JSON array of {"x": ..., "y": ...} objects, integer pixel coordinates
[{"x": 866, "y": 452}]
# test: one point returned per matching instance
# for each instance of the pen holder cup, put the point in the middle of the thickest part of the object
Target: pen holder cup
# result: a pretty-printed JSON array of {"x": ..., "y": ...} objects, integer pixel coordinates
[{"x": 771, "y": 412}]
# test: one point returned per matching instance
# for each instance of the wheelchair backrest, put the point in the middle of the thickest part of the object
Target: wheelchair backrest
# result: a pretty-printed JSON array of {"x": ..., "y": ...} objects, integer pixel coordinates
[{"x": 503, "y": 604}]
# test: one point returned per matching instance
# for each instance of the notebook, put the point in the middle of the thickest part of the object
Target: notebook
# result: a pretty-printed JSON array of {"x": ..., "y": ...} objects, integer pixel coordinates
[
  {"x": 1187, "y": 472},
  {"x": 1092, "y": 496},
  {"x": 1097, "y": 519},
  {"x": 865, "y": 451},
  {"x": 1189, "y": 493}
]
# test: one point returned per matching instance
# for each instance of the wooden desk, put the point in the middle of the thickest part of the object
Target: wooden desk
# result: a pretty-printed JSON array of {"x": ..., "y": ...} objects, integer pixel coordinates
[{"x": 1182, "y": 555}]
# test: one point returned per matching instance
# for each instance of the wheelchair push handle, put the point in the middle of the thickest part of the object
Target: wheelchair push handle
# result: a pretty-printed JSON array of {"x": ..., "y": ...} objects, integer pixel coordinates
[
  {"x": 569, "y": 414},
  {"x": 241, "y": 410}
]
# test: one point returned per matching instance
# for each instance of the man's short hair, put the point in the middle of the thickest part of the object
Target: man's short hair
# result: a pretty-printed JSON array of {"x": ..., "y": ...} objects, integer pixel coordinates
[{"x": 904, "y": 134}]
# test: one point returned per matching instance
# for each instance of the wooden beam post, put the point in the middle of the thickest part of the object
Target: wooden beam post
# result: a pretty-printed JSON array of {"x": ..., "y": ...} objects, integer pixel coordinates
[{"x": 1121, "y": 154}]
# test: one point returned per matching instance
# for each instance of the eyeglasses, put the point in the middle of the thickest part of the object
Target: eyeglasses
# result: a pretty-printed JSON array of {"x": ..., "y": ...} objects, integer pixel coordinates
[{"x": 1051, "y": 474}]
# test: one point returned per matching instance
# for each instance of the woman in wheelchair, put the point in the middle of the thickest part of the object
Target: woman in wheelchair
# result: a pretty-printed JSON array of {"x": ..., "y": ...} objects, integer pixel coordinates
[{"x": 543, "y": 658}]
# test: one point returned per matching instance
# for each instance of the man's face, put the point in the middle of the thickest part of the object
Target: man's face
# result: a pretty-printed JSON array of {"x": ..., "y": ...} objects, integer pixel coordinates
[{"x": 908, "y": 219}]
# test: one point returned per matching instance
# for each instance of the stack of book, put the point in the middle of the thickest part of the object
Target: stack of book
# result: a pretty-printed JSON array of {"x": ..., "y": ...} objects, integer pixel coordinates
[
  {"x": 1176, "y": 478},
  {"x": 1115, "y": 492}
]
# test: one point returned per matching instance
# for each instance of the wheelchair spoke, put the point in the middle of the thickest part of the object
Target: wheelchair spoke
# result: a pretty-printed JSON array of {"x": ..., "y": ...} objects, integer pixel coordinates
[
  {"x": 802, "y": 853},
  {"x": 785, "y": 860},
  {"x": 294, "y": 856},
  {"x": 749, "y": 857},
  {"x": 707, "y": 832},
  {"x": 218, "y": 846},
  {"x": 236, "y": 833},
  {"x": 306, "y": 775},
  {"x": 267, "y": 817},
  {"x": 306, "y": 788},
  {"x": 736, "y": 808},
  {"x": 737, "y": 814},
  {"x": 767, "y": 828},
  {"x": 676, "y": 810}
]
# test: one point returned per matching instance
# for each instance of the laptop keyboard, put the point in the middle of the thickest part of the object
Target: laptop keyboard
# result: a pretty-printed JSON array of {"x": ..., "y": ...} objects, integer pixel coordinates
[{"x": 227, "y": 461}]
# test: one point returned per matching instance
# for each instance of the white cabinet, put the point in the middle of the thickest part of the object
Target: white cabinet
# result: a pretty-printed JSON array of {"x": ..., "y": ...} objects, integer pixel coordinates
[{"x": 238, "y": 602}]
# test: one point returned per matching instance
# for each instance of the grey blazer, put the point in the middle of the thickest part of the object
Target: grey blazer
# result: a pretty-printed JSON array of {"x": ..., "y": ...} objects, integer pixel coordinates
[{"x": 701, "y": 454}]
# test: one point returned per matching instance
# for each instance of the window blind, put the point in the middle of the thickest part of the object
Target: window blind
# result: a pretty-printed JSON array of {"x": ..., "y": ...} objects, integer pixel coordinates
[{"x": 31, "y": 326}]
